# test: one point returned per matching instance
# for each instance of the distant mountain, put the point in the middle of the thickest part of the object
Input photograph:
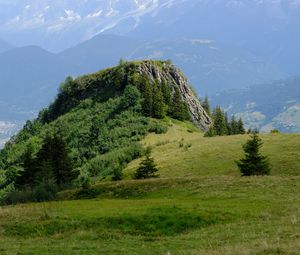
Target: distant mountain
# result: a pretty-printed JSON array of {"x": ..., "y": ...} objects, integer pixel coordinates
[
  {"x": 27, "y": 78},
  {"x": 275, "y": 105},
  {"x": 60, "y": 24},
  {"x": 30, "y": 75},
  {"x": 4, "y": 46},
  {"x": 211, "y": 66},
  {"x": 100, "y": 52}
]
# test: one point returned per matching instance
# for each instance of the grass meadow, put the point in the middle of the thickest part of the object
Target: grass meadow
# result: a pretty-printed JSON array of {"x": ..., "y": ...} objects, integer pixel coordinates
[{"x": 199, "y": 205}]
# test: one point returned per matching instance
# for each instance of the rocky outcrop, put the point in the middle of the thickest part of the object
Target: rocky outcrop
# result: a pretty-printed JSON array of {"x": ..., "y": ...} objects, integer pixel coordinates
[{"x": 167, "y": 72}]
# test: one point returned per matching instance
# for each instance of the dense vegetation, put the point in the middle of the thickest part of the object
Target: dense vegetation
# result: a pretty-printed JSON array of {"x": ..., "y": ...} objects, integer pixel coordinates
[
  {"x": 90, "y": 132},
  {"x": 222, "y": 126}
]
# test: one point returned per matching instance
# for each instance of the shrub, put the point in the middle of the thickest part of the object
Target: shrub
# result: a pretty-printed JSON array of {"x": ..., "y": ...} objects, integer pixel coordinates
[
  {"x": 275, "y": 131},
  {"x": 147, "y": 169},
  {"x": 45, "y": 191},
  {"x": 83, "y": 181}
]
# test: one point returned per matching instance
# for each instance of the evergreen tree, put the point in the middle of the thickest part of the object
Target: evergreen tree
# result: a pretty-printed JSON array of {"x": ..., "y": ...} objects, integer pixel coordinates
[
  {"x": 254, "y": 163},
  {"x": 228, "y": 126},
  {"x": 211, "y": 132},
  {"x": 43, "y": 159},
  {"x": 166, "y": 91},
  {"x": 206, "y": 105},
  {"x": 158, "y": 107},
  {"x": 179, "y": 107},
  {"x": 240, "y": 127},
  {"x": 54, "y": 162},
  {"x": 234, "y": 126},
  {"x": 147, "y": 169},
  {"x": 61, "y": 161},
  {"x": 219, "y": 121},
  {"x": 27, "y": 176},
  {"x": 148, "y": 97}
]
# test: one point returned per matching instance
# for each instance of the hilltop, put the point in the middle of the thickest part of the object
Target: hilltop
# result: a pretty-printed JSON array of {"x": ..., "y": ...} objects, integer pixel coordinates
[{"x": 97, "y": 121}]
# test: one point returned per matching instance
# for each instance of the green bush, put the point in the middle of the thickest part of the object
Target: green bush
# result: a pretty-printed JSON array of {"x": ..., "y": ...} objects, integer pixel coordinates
[
  {"x": 147, "y": 169},
  {"x": 45, "y": 191}
]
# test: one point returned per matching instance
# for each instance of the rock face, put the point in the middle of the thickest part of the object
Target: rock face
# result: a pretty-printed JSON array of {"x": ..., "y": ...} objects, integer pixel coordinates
[{"x": 167, "y": 72}]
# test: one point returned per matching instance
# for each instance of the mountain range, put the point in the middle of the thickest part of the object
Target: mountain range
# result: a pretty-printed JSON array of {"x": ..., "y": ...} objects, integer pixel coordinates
[
  {"x": 274, "y": 105},
  {"x": 217, "y": 43}
]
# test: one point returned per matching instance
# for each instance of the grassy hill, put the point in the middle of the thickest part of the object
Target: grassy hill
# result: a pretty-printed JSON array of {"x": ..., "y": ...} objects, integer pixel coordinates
[
  {"x": 200, "y": 205},
  {"x": 100, "y": 125}
]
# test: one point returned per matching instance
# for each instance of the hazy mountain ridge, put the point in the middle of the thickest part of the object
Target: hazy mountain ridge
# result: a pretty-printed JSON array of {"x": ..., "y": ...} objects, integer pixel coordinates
[
  {"x": 4, "y": 46},
  {"x": 75, "y": 21},
  {"x": 274, "y": 105},
  {"x": 70, "y": 21},
  {"x": 30, "y": 75}
]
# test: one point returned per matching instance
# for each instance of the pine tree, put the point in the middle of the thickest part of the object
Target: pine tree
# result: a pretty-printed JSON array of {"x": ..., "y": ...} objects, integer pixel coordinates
[
  {"x": 147, "y": 169},
  {"x": 62, "y": 163},
  {"x": 240, "y": 127},
  {"x": 254, "y": 163},
  {"x": 219, "y": 121},
  {"x": 158, "y": 106},
  {"x": 227, "y": 123},
  {"x": 206, "y": 105},
  {"x": 148, "y": 98},
  {"x": 210, "y": 133},
  {"x": 179, "y": 107},
  {"x": 54, "y": 162},
  {"x": 234, "y": 126},
  {"x": 27, "y": 176},
  {"x": 166, "y": 91}
]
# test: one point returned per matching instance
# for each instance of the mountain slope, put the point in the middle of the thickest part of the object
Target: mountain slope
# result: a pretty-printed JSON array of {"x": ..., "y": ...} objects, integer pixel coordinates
[{"x": 102, "y": 117}]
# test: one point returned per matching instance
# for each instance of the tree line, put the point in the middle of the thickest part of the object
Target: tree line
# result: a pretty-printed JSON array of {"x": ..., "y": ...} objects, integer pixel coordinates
[{"x": 222, "y": 125}]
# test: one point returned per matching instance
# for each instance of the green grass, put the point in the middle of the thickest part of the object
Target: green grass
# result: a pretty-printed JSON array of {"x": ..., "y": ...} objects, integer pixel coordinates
[
  {"x": 200, "y": 205},
  {"x": 184, "y": 152}
]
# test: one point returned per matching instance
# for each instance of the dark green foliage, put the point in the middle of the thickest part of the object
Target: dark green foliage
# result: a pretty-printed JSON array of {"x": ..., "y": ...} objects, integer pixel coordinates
[
  {"x": 167, "y": 95},
  {"x": 240, "y": 125},
  {"x": 131, "y": 98},
  {"x": 27, "y": 176},
  {"x": 158, "y": 105},
  {"x": 219, "y": 122},
  {"x": 147, "y": 93},
  {"x": 179, "y": 108},
  {"x": 206, "y": 105},
  {"x": 117, "y": 174},
  {"x": 53, "y": 161},
  {"x": 147, "y": 169},
  {"x": 254, "y": 163},
  {"x": 234, "y": 128},
  {"x": 275, "y": 131},
  {"x": 222, "y": 127},
  {"x": 44, "y": 191},
  {"x": 210, "y": 133}
]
